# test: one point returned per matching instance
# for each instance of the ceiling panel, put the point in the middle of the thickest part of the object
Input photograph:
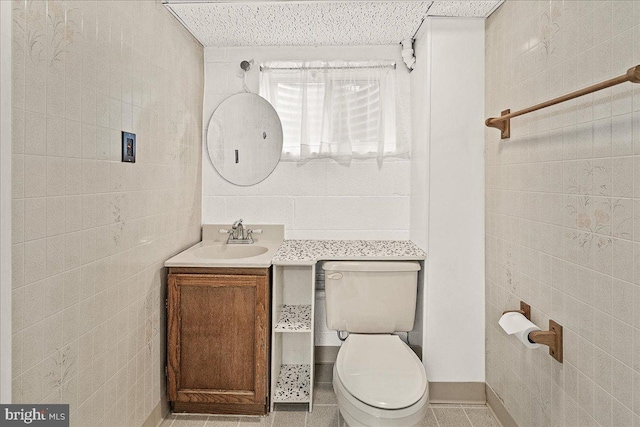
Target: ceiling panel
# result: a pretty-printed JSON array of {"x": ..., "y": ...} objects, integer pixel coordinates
[
  {"x": 472, "y": 9},
  {"x": 315, "y": 23}
]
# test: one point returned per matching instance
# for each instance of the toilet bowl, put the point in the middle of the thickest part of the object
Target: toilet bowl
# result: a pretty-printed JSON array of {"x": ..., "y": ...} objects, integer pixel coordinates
[{"x": 379, "y": 381}]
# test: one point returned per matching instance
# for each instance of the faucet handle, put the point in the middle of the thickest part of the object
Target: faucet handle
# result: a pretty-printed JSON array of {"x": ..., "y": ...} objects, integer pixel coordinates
[
  {"x": 256, "y": 231},
  {"x": 223, "y": 231}
]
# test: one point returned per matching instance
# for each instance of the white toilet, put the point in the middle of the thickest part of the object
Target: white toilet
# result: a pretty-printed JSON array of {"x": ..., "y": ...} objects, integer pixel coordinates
[{"x": 377, "y": 378}]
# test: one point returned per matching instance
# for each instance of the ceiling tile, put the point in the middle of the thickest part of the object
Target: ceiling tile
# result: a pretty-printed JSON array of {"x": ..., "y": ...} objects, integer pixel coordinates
[
  {"x": 315, "y": 23},
  {"x": 294, "y": 24}
]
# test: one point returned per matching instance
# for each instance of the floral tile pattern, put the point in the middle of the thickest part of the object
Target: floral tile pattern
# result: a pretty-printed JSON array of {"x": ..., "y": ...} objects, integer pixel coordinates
[
  {"x": 91, "y": 233},
  {"x": 562, "y": 196}
]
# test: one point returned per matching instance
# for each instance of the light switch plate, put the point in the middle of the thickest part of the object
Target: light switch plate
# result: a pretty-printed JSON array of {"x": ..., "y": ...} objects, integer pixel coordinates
[{"x": 128, "y": 147}]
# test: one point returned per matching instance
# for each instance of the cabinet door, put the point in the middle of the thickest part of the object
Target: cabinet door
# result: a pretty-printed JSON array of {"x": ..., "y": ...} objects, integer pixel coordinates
[{"x": 217, "y": 338}]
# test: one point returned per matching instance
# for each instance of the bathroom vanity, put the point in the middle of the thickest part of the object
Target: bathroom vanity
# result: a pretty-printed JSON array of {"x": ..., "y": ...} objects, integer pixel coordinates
[
  {"x": 218, "y": 331},
  {"x": 241, "y": 330},
  {"x": 217, "y": 347}
]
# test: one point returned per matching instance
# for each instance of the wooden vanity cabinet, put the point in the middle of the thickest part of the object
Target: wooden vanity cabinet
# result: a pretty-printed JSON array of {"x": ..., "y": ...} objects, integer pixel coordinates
[{"x": 218, "y": 340}]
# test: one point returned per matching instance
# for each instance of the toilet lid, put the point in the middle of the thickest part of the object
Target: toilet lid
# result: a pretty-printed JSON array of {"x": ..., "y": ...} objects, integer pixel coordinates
[{"x": 381, "y": 371}]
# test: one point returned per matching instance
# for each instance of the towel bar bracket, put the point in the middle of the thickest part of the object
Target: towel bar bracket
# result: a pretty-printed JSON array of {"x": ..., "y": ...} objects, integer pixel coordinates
[{"x": 503, "y": 125}]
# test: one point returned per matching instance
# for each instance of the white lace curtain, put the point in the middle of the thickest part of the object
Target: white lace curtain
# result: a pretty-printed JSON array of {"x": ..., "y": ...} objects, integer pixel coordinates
[{"x": 342, "y": 110}]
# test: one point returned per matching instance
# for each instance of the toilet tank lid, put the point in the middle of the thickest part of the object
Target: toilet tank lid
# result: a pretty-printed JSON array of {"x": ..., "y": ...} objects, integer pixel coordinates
[{"x": 371, "y": 266}]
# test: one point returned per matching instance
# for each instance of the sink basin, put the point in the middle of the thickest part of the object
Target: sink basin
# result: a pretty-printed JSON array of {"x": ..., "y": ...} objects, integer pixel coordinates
[{"x": 225, "y": 251}]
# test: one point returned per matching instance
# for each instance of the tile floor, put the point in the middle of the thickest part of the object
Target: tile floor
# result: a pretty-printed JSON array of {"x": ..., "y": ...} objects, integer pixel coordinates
[{"x": 325, "y": 413}]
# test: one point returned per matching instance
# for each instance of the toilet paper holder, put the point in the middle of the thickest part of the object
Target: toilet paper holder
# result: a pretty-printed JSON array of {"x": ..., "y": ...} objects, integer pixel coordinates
[
  {"x": 551, "y": 338},
  {"x": 525, "y": 310}
]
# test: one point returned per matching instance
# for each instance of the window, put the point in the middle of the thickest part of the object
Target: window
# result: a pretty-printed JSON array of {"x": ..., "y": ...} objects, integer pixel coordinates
[{"x": 339, "y": 110}]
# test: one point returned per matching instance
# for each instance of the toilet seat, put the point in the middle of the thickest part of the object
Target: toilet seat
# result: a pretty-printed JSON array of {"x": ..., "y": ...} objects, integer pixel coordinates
[{"x": 381, "y": 371}]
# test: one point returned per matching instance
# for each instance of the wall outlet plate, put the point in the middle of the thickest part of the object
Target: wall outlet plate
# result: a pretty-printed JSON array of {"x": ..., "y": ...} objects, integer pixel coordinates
[{"x": 128, "y": 147}]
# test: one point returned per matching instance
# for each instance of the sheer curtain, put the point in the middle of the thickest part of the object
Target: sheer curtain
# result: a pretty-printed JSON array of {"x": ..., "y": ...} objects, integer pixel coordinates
[{"x": 342, "y": 110}]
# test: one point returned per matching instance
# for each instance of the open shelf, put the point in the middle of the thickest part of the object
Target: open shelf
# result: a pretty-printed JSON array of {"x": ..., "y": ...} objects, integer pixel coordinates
[
  {"x": 294, "y": 318},
  {"x": 294, "y": 384},
  {"x": 292, "y": 344}
]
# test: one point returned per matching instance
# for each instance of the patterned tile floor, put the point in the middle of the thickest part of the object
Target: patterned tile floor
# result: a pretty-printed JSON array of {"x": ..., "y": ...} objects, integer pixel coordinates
[{"x": 325, "y": 413}]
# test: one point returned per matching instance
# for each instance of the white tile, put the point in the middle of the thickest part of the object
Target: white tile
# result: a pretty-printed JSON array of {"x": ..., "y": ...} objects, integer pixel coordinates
[
  {"x": 623, "y": 301},
  {"x": 622, "y": 378},
  {"x": 360, "y": 179},
  {"x": 54, "y": 300},
  {"x": 56, "y": 218},
  {"x": 18, "y": 93},
  {"x": 214, "y": 210},
  {"x": 56, "y": 134},
  {"x": 103, "y": 111},
  {"x": 351, "y": 213},
  {"x": 347, "y": 234},
  {"x": 55, "y": 100},
  {"x": 602, "y": 138},
  {"x": 73, "y": 138},
  {"x": 622, "y": 136},
  {"x": 89, "y": 104},
  {"x": 73, "y": 213},
  {"x": 35, "y": 141},
  {"x": 622, "y": 344},
  {"x": 73, "y": 100},
  {"x": 622, "y": 16},
  {"x": 292, "y": 179},
  {"x": 267, "y": 210},
  {"x": 35, "y": 91},
  {"x": 73, "y": 176},
  {"x": 623, "y": 259},
  {"x": 622, "y": 177},
  {"x": 35, "y": 176},
  {"x": 17, "y": 131},
  {"x": 35, "y": 224},
  {"x": 56, "y": 173},
  {"x": 72, "y": 250},
  {"x": 63, "y": 107},
  {"x": 55, "y": 255},
  {"x": 17, "y": 221}
]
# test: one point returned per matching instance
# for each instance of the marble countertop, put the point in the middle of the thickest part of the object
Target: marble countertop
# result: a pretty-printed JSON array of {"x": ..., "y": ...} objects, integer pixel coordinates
[{"x": 308, "y": 252}]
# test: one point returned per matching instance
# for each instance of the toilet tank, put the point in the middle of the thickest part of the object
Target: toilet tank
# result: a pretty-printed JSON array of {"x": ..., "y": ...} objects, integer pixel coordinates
[{"x": 371, "y": 296}]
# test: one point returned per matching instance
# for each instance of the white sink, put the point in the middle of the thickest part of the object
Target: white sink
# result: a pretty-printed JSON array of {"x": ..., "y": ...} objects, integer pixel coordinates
[
  {"x": 224, "y": 251},
  {"x": 214, "y": 252}
]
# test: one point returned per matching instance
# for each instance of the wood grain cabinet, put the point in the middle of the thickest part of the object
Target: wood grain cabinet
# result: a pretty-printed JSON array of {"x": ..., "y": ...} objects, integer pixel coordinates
[{"x": 218, "y": 340}]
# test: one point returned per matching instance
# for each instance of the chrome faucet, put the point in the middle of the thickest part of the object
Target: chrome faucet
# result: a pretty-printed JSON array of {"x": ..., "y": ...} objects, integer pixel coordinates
[
  {"x": 239, "y": 235},
  {"x": 238, "y": 230}
]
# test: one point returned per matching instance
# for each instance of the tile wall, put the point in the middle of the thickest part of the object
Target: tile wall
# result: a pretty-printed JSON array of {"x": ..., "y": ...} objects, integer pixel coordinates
[
  {"x": 90, "y": 233},
  {"x": 320, "y": 199},
  {"x": 563, "y": 210}
]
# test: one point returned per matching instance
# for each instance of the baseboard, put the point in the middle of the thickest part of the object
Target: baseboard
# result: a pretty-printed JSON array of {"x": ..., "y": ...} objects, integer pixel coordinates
[
  {"x": 157, "y": 415},
  {"x": 470, "y": 393},
  {"x": 325, "y": 354},
  {"x": 497, "y": 407}
]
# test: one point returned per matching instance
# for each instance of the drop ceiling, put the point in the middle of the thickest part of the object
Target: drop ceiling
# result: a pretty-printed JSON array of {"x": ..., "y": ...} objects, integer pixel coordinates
[{"x": 314, "y": 23}]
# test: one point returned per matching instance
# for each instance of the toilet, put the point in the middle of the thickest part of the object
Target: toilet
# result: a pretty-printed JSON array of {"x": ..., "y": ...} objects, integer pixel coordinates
[{"x": 378, "y": 380}]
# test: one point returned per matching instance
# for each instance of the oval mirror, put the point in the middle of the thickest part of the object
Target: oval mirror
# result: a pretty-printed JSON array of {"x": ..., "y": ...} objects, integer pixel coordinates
[{"x": 244, "y": 139}]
